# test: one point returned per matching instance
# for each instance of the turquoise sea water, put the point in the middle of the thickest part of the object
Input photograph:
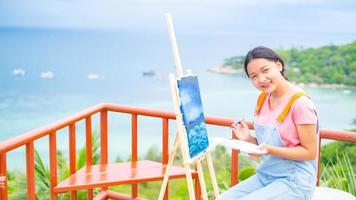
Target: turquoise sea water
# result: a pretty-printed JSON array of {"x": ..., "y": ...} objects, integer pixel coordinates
[{"x": 117, "y": 60}]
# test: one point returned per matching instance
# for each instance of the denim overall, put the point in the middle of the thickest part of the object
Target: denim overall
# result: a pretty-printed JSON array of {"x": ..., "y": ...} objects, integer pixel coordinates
[{"x": 276, "y": 178}]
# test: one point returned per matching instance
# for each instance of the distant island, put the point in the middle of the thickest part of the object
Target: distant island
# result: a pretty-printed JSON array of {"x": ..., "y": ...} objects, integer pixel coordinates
[{"x": 329, "y": 66}]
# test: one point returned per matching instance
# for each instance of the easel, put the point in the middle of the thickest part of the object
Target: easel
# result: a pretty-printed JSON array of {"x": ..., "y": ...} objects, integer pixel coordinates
[{"x": 180, "y": 139}]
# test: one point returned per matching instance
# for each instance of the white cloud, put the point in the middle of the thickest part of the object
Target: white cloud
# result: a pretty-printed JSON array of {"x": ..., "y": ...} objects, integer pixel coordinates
[
  {"x": 94, "y": 76},
  {"x": 184, "y": 97},
  {"x": 47, "y": 75},
  {"x": 19, "y": 72},
  {"x": 193, "y": 111},
  {"x": 193, "y": 114}
]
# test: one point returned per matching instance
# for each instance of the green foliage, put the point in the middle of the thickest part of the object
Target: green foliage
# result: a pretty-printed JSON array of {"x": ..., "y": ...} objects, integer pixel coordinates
[
  {"x": 153, "y": 154},
  {"x": 328, "y": 64},
  {"x": 236, "y": 62},
  {"x": 340, "y": 175},
  {"x": 354, "y": 124},
  {"x": 17, "y": 184},
  {"x": 82, "y": 157},
  {"x": 17, "y": 180},
  {"x": 330, "y": 152},
  {"x": 221, "y": 162},
  {"x": 338, "y": 165},
  {"x": 63, "y": 168},
  {"x": 337, "y": 172},
  {"x": 325, "y": 65},
  {"x": 178, "y": 188},
  {"x": 246, "y": 172},
  {"x": 118, "y": 159},
  {"x": 42, "y": 175}
]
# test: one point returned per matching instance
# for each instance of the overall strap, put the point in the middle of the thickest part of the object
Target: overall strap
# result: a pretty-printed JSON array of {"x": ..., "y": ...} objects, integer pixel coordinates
[
  {"x": 260, "y": 101},
  {"x": 285, "y": 111}
]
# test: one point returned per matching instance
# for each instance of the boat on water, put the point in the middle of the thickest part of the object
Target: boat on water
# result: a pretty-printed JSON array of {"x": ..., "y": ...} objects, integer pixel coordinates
[{"x": 149, "y": 73}]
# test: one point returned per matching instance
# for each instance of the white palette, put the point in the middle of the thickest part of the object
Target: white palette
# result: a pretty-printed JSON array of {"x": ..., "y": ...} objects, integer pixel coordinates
[{"x": 243, "y": 146}]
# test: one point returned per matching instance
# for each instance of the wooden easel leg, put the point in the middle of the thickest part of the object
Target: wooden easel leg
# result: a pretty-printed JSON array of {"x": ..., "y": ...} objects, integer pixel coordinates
[
  {"x": 201, "y": 180},
  {"x": 168, "y": 167},
  {"x": 188, "y": 175},
  {"x": 212, "y": 174}
]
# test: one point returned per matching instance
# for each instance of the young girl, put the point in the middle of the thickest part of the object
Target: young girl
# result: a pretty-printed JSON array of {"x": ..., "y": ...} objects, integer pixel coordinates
[{"x": 286, "y": 127}]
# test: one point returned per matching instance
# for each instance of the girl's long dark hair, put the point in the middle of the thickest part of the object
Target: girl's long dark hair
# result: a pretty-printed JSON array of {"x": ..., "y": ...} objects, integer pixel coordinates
[{"x": 266, "y": 53}]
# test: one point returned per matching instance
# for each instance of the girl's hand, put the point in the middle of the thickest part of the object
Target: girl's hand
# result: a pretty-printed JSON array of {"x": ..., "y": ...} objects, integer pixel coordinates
[{"x": 241, "y": 130}]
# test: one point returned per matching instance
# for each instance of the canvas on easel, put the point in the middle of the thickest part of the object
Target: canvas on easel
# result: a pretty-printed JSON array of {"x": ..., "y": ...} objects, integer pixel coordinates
[
  {"x": 193, "y": 116},
  {"x": 191, "y": 136}
]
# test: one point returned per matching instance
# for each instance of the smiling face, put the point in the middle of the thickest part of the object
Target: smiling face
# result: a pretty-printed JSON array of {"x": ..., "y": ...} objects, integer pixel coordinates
[{"x": 265, "y": 74}]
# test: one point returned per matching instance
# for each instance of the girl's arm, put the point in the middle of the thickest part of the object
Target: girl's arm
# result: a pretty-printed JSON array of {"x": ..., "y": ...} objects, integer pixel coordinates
[{"x": 307, "y": 150}]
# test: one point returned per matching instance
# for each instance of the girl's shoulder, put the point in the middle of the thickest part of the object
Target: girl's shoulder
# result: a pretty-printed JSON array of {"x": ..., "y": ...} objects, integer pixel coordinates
[
  {"x": 303, "y": 108},
  {"x": 303, "y": 101},
  {"x": 303, "y": 111}
]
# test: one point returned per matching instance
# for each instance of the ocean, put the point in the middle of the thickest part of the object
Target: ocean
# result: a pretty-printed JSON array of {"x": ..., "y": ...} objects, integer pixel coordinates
[{"x": 48, "y": 74}]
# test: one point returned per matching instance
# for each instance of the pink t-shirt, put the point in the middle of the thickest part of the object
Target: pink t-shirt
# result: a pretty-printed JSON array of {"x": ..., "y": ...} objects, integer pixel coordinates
[{"x": 301, "y": 112}]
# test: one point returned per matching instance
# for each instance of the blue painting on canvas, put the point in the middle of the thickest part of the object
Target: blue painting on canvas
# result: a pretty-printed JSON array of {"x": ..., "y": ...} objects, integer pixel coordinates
[{"x": 193, "y": 116}]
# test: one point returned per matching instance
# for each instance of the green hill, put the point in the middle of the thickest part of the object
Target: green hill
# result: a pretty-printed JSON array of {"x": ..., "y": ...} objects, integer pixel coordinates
[{"x": 324, "y": 65}]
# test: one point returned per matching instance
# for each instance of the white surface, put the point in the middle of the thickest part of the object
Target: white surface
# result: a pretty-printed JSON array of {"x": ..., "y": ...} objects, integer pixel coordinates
[
  {"x": 324, "y": 193},
  {"x": 239, "y": 145}
]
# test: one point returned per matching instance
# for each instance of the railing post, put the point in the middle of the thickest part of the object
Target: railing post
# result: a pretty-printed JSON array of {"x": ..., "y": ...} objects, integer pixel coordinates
[
  {"x": 53, "y": 164},
  {"x": 72, "y": 156},
  {"x": 134, "y": 189},
  {"x": 3, "y": 177},
  {"x": 30, "y": 170},
  {"x": 104, "y": 139},
  {"x": 89, "y": 149},
  {"x": 234, "y": 164},
  {"x": 88, "y": 141},
  {"x": 318, "y": 172},
  {"x": 165, "y": 141},
  {"x": 197, "y": 186},
  {"x": 165, "y": 148}
]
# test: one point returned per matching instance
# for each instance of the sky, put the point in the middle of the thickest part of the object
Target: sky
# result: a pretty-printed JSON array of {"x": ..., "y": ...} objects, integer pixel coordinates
[{"x": 193, "y": 16}]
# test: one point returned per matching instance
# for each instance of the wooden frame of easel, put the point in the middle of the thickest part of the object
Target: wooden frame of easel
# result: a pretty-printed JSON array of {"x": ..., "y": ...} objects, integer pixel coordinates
[{"x": 180, "y": 139}]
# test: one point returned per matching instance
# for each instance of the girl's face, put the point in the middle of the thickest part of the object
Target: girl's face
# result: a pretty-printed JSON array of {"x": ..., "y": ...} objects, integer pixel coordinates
[{"x": 264, "y": 74}]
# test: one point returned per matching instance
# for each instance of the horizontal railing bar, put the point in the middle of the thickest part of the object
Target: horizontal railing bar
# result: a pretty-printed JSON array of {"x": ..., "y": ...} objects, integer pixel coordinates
[
  {"x": 220, "y": 121},
  {"x": 140, "y": 111},
  {"x": 347, "y": 136},
  {"x": 30, "y": 136}
]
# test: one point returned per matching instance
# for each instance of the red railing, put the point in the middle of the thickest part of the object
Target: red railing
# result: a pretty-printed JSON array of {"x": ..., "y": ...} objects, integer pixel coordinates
[{"x": 50, "y": 131}]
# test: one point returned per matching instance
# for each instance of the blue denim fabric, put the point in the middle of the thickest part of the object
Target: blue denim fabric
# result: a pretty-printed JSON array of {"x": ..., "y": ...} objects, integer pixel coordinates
[{"x": 276, "y": 178}]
